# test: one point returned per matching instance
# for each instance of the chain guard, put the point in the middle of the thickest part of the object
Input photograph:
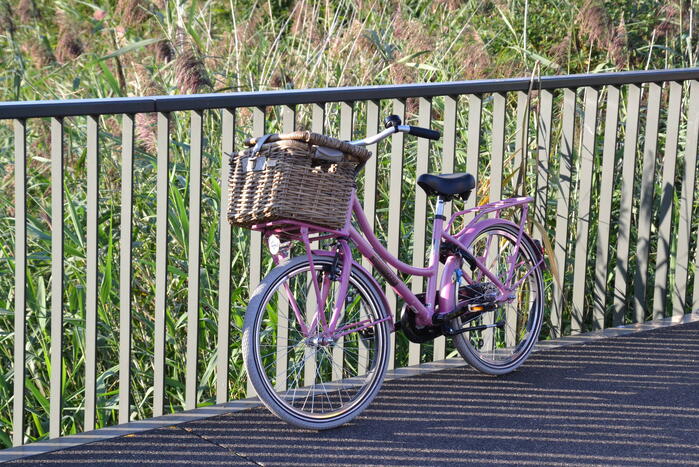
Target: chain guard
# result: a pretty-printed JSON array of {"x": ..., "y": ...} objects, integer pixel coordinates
[{"x": 414, "y": 333}]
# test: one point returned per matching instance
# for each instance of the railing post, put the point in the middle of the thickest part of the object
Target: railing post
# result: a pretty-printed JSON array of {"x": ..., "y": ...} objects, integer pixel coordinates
[
  {"x": 645, "y": 209},
  {"x": 346, "y": 131},
  {"x": 605, "y": 207},
  {"x": 373, "y": 109},
  {"x": 419, "y": 222},
  {"x": 543, "y": 133},
  {"x": 451, "y": 104},
  {"x": 125, "y": 272},
  {"x": 497, "y": 171},
  {"x": 92, "y": 279},
  {"x": 194, "y": 259},
  {"x": 56, "y": 379},
  {"x": 473, "y": 150},
  {"x": 259, "y": 125},
  {"x": 521, "y": 156},
  {"x": 565, "y": 174},
  {"x": 224, "y": 274},
  {"x": 395, "y": 198},
  {"x": 288, "y": 125},
  {"x": 662, "y": 256},
  {"x": 587, "y": 156},
  {"x": 161, "y": 251},
  {"x": 621, "y": 273},
  {"x": 20, "y": 142},
  {"x": 288, "y": 118},
  {"x": 679, "y": 292}
]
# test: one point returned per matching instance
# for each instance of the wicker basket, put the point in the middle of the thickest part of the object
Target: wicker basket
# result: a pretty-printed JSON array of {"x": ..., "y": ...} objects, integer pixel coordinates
[{"x": 302, "y": 176}]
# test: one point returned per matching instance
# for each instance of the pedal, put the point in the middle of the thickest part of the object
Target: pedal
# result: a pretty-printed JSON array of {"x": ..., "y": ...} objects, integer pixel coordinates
[
  {"x": 469, "y": 312},
  {"x": 474, "y": 299}
]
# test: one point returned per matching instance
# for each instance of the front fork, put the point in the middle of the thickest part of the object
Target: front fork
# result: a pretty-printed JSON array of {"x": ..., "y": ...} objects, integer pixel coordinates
[{"x": 321, "y": 290}]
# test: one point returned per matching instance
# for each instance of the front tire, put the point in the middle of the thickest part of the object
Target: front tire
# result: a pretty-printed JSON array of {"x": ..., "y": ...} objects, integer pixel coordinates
[{"x": 309, "y": 381}]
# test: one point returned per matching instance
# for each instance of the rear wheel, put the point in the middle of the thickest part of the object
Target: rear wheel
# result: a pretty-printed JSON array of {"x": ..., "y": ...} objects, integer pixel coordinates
[
  {"x": 502, "y": 348},
  {"x": 315, "y": 381}
]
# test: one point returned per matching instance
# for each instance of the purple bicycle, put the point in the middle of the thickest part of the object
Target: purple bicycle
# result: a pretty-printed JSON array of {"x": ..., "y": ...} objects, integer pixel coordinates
[{"x": 317, "y": 328}]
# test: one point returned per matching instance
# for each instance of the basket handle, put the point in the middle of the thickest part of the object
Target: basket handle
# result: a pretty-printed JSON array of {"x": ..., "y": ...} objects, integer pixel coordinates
[
  {"x": 359, "y": 153},
  {"x": 258, "y": 144}
]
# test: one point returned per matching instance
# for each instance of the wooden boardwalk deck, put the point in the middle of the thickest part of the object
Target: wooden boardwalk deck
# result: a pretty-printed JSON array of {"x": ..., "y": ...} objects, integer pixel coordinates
[{"x": 627, "y": 400}]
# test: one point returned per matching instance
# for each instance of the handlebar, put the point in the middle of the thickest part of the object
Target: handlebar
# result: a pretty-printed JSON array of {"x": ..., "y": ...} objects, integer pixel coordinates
[
  {"x": 424, "y": 133},
  {"x": 395, "y": 127}
]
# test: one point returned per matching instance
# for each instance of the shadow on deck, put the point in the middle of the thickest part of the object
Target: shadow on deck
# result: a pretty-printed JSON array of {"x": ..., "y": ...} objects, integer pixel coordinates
[{"x": 630, "y": 400}]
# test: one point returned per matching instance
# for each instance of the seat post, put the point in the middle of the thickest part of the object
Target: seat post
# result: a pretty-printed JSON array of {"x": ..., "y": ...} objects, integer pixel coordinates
[
  {"x": 439, "y": 211},
  {"x": 439, "y": 220}
]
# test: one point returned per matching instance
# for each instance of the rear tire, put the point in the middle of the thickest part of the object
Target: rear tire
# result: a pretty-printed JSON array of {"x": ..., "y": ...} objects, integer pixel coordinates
[{"x": 500, "y": 350}]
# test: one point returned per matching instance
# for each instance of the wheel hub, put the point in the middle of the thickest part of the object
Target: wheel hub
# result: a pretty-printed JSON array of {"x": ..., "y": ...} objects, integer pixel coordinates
[{"x": 320, "y": 341}]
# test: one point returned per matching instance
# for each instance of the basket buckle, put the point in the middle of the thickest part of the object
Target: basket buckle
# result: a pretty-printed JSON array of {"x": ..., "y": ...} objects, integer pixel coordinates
[{"x": 258, "y": 164}]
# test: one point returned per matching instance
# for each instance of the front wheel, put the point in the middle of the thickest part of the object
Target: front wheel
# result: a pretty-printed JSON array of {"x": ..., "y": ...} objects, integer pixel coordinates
[
  {"x": 514, "y": 325},
  {"x": 312, "y": 379}
]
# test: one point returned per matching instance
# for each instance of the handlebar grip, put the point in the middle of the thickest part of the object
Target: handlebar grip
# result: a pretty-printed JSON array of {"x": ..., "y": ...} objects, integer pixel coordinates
[{"x": 424, "y": 133}]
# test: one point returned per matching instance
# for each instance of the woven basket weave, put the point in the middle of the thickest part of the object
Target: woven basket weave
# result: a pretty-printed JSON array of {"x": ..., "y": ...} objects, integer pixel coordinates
[{"x": 293, "y": 176}]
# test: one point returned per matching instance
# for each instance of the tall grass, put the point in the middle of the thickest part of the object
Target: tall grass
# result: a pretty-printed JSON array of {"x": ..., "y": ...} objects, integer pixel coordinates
[{"x": 69, "y": 49}]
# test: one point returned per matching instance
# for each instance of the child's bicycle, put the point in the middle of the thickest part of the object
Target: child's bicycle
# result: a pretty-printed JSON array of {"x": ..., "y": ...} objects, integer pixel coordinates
[{"x": 317, "y": 330}]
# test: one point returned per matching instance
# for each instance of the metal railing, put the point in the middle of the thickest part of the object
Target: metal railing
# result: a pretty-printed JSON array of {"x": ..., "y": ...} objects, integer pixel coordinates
[{"x": 618, "y": 208}]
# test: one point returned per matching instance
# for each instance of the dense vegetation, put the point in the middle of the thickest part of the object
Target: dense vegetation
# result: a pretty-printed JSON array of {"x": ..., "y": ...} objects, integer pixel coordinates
[
  {"x": 71, "y": 49},
  {"x": 78, "y": 49}
]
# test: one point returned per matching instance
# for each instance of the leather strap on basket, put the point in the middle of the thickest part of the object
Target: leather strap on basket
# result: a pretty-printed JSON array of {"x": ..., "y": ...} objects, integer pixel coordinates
[
  {"x": 258, "y": 144},
  {"x": 358, "y": 152}
]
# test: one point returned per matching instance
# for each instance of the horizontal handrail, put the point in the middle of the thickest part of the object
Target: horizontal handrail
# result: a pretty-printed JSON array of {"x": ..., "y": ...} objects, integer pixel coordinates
[{"x": 128, "y": 105}]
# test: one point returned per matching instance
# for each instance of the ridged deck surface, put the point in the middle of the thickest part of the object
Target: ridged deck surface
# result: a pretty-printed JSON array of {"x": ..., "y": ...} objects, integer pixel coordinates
[{"x": 629, "y": 400}]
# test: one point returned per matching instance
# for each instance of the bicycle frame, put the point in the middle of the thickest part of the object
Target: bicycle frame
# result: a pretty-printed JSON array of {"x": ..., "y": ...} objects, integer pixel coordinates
[{"x": 371, "y": 248}]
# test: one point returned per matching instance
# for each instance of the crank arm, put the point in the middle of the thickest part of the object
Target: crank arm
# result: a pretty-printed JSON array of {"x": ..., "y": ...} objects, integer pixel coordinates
[{"x": 448, "y": 331}]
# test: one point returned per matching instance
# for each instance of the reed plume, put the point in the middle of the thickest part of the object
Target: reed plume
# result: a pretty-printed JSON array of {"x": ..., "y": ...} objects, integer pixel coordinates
[
  {"x": 449, "y": 5},
  {"x": 669, "y": 12},
  {"x": 146, "y": 123},
  {"x": 132, "y": 12},
  {"x": 281, "y": 80},
  {"x": 99, "y": 15},
  {"x": 619, "y": 48},
  {"x": 190, "y": 73},
  {"x": 6, "y": 23},
  {"x": 412, "y": 35},
  {"x": 475, "y": 58},
  {"x": 40, "y": 53},
  {"x": 69, "y": 46},
  {"x": 27, "y": 11},
  {"x": 594, "y": 23},
  {"x": 559, "y": 52},
  {"x": 164, "y": 51}
]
